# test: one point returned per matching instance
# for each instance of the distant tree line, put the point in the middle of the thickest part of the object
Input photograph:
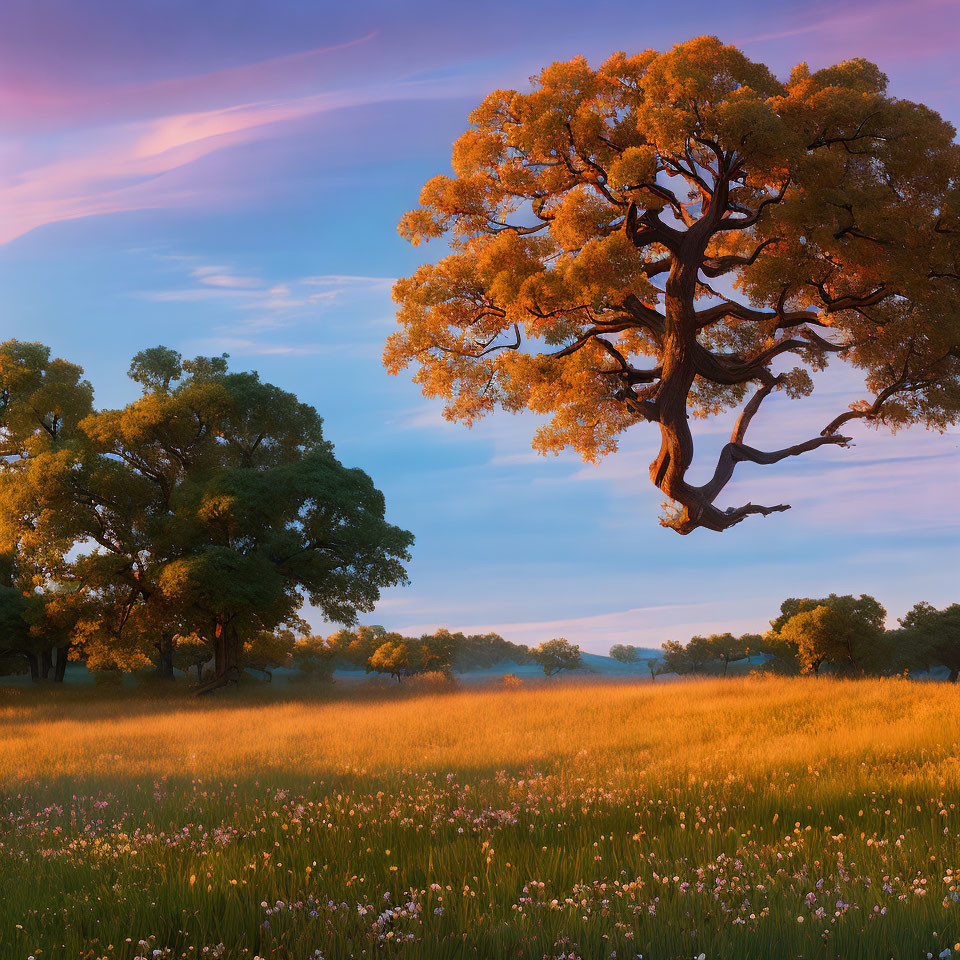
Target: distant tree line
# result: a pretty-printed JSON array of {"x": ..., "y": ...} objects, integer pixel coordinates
[
  {"x": 374, "y": 650},
  {"x": 840, "y": 635}
]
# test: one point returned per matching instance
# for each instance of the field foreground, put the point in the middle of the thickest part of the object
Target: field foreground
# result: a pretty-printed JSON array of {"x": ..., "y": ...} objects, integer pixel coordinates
[{"x": 724, "y": 819}]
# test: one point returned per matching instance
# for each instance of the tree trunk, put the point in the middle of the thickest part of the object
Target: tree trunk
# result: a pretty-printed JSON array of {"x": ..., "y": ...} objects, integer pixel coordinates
[
  {"x": 199, "y": 672},
  {"x": 954, "y": 674},
  {"x": 34, "y": 664},
  {"x": 46, "y": 663},
  {"x": 63, "y": 654},
  {"x": 165, "y": 649},
  {"x": 668, "y": 471},
  {"x": 726, "y": 663},
  {"x": 226, "y": 658}
]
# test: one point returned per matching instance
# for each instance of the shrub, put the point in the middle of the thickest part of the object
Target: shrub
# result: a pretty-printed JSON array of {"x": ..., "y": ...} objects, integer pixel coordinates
[{"x": 433, "y": 681}]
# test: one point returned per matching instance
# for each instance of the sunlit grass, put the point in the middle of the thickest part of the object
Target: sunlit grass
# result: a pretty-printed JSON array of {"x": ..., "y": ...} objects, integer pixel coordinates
[{"x": 760, "y": 818}]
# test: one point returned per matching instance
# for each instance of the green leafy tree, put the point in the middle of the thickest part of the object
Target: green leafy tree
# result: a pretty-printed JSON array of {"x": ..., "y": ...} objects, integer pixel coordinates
[
  {"x": 396, "y": 656},
  {"x": 674, "y": 657},
  {"x": 437, "y": 651},
  {"x": 624, "y": 652},
  {"x": 315, "y": 658},
  {"x": 353, "y": 649},
  {"x": 266, "y": 652},
  {"x": 933, "y": 636},
  {"x": 213, "y": 506},
  {"x": 780, "y": 655},
  {"x": 406, "y": 656},
  {"x": 692, "y": 657},
  {"x": 556, "y": 655},
  {"x": 845, "y": 631},
  {"x": 701, "y": 653},
  {"x": 42, "y": 402},
  {"x": 482, "y": 651},
  {"x": 19, "y": 650},
  {"x": 676, "y": 234},
  {"x": 728, "y": 649}
]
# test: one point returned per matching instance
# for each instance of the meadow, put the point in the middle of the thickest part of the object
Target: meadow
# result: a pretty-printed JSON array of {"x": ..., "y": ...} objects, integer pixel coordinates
[{"x": 713, "y": 819}]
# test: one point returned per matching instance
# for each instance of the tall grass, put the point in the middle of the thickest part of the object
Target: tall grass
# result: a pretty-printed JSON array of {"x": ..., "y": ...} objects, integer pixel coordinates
[{"x": 740, "y": 818}]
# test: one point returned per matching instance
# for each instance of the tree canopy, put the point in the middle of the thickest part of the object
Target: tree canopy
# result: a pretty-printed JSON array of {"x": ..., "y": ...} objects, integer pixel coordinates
[
  {"x": 210, "y": 507},
  {"x": 845, "y": 631},
  {"x": 556, "y": 655},
  {"x": 934, "y": 636},
  {"x": 678, "y": 234},
  {"x": 700, "y": 653}
]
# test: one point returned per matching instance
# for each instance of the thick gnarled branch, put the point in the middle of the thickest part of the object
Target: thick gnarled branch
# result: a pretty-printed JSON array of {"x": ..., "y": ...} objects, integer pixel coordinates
[{"x": 735, "y": 453}]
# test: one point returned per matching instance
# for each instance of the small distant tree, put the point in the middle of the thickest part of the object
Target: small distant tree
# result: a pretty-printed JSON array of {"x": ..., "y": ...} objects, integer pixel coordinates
[
  {"x": 675, "y": 659},
  {"x": 728, "y": 649},
  {"x": 781, "y": 655},
  {"x": 934, "y": 636},
  {"x": 811, "y": 633},
  {"x": 354, "y": 648},
  {"x": 624, "y": 652},
  {"x": 701, "y": 653},
  {"x": 315, "y": 657},
  {"x": 482, "y": 651},
  {"x": 656, "y": 667},
  {"x": 396, "y": 656},
  {"x": 436, "y": 651},
  {"x": 556, "y": 655},
  {"x": 265, "y": 651},
  {"x": 695, "y": 656}
]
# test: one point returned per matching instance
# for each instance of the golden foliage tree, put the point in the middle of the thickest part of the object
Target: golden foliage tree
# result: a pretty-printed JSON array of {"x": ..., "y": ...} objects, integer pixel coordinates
[{"x": 678, "y": 234}]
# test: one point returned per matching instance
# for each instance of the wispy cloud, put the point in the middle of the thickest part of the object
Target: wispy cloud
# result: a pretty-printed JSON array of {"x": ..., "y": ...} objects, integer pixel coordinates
[
  {"x": 258, "y": 306},
  {"x": 342, "y": 282},
  {"x": 250, "y": 292},
  {"x": 250, "y": 347},
  {"x": 112, "y": 166},
  {"x": 30, "y": 104},
  {"x": 887, "y": 27}
]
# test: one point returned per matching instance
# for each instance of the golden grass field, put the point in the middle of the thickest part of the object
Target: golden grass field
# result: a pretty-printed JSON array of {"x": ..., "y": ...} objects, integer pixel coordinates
[{"x": 729, "y": 818}]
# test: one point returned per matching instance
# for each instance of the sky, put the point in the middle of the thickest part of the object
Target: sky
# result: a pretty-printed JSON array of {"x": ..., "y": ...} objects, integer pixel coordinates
[{"x": 226, "y": 177}]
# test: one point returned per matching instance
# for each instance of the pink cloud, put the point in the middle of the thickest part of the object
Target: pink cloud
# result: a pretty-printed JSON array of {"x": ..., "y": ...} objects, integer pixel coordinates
[
  {"x": 28, "y": 104},
  {"x": 68, "y": 152},
  {"x": 124, "y": 165},
  {"x": 888, "y": 29}
]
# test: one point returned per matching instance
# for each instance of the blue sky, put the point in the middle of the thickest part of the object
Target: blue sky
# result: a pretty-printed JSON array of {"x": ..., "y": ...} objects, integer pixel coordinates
[{"x": 228, "y": 177}]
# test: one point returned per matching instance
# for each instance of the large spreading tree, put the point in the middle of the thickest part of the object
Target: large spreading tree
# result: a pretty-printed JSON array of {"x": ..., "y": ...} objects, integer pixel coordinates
[
  {"x": 210, "y": 508},
  {"x": 678, "y": 234}
]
